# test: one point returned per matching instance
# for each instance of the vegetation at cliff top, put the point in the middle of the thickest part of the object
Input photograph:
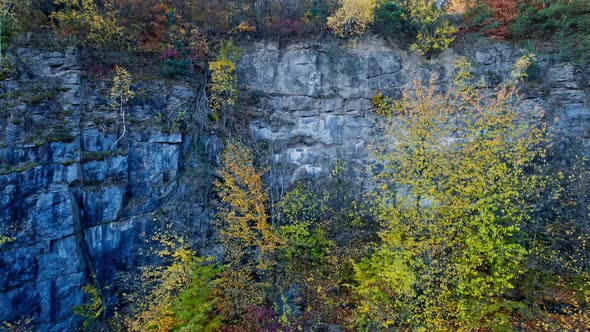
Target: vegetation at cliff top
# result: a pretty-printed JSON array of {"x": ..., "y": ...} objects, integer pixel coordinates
[{"x": 183, "y": 36}]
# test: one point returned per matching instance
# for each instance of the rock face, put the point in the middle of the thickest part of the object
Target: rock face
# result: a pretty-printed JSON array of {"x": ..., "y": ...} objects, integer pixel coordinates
[
  {"x": 312, "y": 101},
  {"x": 70, "y": 209}
]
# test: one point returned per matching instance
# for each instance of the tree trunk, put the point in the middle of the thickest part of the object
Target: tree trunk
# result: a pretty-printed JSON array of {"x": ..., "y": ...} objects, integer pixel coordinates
[{"x": 124, "y": 128}]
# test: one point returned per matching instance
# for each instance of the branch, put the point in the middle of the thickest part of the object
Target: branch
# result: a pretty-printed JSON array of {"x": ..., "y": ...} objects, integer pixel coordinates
[{"x": 7, "y": 10}]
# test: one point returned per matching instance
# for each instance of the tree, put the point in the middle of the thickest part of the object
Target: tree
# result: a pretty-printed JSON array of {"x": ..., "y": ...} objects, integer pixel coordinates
[
  {"x": 454, "y": 196},
  {"x": 435, "y": 33},
  {"x": 319, "y": 11},
  {"x": 176, "y": 295},
  {"x": 352, "y": 18},
  {"x": 390, "y": 18},
  {"x": 223, "y": 87},
  {"x": 494, "y": 17},
  {"x": 121, "y": 93},
  {"x": 248, "y": 238},
  {"x": 194, "y": 306},
  {"x": 91, "y": 24}
]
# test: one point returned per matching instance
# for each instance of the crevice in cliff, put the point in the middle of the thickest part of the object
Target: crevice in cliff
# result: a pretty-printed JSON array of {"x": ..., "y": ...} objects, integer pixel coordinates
[{"x": 79, "y": 229}]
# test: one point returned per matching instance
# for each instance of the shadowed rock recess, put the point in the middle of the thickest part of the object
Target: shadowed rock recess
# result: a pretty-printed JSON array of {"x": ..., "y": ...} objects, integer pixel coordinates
[{"x": 72, "y": 209}]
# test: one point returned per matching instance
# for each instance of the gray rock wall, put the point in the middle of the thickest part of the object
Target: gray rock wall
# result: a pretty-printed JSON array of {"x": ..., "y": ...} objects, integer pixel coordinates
[{"x": 311, "y": 101}]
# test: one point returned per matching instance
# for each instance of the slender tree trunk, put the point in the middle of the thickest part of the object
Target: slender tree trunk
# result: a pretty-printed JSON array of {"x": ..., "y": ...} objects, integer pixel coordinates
[{"x": 124, "y": 128}]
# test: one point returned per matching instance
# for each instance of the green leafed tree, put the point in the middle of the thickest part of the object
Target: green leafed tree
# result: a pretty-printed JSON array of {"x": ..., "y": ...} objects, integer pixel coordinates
[
  {"x": 176, "y": 296},
  {"x": 194, "y": 307},
  {"x": 454, "y": 195}
]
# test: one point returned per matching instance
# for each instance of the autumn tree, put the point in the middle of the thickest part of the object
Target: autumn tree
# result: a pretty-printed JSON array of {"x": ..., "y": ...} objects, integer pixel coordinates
[
  {"x": 352, "y": 18},
  {"x": 493, "y": 17},
  {"x": 84, "y": 19},
  {"x": 247, "y": 236},
  {"x": 435, "y": 32},
  {"x": 121, "y": 93},
  {"x": 176, "y": 295},
  {"x": 455, "y": 194},
  {"x": 223, "y": 87}
]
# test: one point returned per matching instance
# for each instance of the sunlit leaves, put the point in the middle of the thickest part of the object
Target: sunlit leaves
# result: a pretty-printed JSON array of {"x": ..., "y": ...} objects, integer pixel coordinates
[
  {"x": 248, "y": 238},
  {"x": 86, "y": 21},
  {"x": 435, "y": 33},
  {"x": 352, "y": 18},
  {"x": 454, "y": 198},
  {"x": 223, "y": 87}
]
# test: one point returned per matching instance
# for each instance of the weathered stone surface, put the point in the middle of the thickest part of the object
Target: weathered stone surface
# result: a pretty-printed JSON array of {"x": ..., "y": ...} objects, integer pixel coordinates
[{"x": 314, "y": 105}]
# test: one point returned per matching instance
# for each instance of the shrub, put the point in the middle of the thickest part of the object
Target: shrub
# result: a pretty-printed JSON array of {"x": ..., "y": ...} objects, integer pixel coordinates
[
  {"x": 493, "y": 17},
  {"x": 170, "y": 54},
  {"x": 246, "y": 27},
  {"x": 175, "y": 68},
  {"x": 566, "y": 22},
  {"x": 390, "y": 18},
  {"x": 92, "y": 311}
]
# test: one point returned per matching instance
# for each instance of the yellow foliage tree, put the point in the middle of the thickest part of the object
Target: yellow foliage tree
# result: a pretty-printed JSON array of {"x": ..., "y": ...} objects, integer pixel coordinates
[
  {"x": 455, "y": 193},
  {"x": 154, "y": 310},
  {"x": 223, "y": 87},
  {"x": 223, "y": 84},
  {"x": 121, "y": 93},
  {"x": 84, "y": 19},
  {"x": 249, "y": 239},
  {"x": 352, "y": 18},
  {"x": 435, "y": 33}
]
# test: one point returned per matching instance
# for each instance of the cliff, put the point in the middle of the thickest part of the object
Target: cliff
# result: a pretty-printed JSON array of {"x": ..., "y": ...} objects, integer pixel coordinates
[{"x": 71, "y": 209}]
